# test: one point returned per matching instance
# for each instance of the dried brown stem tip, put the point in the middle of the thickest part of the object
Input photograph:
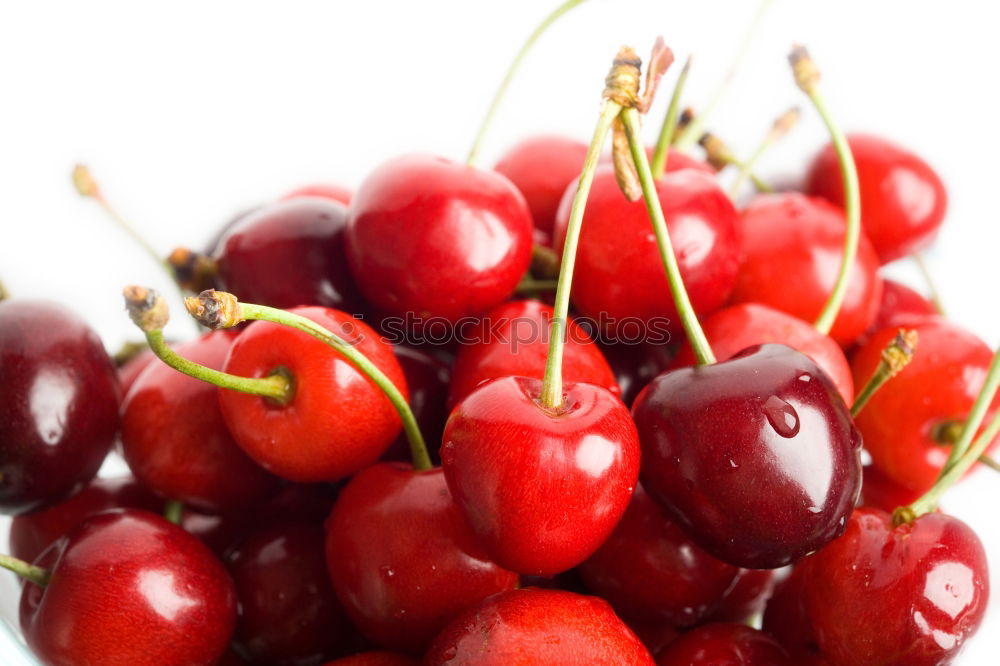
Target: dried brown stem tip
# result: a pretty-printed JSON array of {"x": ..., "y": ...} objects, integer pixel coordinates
[
  {"x": 214, "y": 309},
  {"x": 717, "y": 153},
  {"x": 784, "y": 123},
  {"x": 899, "y": 352},
  {"x": 805, "y": 70},
  {"x": 193, "y": 271},
  {"x": 146, "y": 307},
  {"x": 84, "y": 182},
  {"x": 622, "y": 83}
]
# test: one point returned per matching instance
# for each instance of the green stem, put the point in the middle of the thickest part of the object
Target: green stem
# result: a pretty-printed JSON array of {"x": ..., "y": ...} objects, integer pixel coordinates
[
  {"x": 511, "y": 70},
  {"x": 699, "y": 343},
  {"x": 552, "y": 393},
  {"x": 925, "y": 271},
  {"x": 36, "y": 575},
  {"x": 978, "y": 413},
  {"x": 662, "y": 151},
  {"x": 896, "y": 355},
  {"x": 173, "y": 511},
  {"x": 529, "y": 285}
]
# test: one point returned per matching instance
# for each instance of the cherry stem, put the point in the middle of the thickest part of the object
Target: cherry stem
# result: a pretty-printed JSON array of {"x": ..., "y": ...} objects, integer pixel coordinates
[
  {"x": 36, "y": 575},
  {"x": 173, "y": 511},
  {"x": 918, "y": 259},
  {"x": 529, "y": 285},
  {"x": 511, "y": 71},
  {"x": 780, "y": 128},
  {"x": 896, "y": 355},
  {"x": 807, "y": 78},
  {"x": 666, "y": 138},
  {"x": 4, "y": 294},
  {"x": 718, "y": 156},
  {"x": 552, "y": 390},
  {"x": 695, "y": 334},
  {"x": 544, "y": 262}
]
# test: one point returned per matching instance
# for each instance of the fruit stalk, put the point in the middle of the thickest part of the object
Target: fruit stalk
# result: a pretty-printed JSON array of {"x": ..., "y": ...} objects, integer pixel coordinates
[
  {"x": 36, "y": 575},
  {"x": 173, "y": 511},
  {"x": 782, "y": 125},
  {"x": 667, "y": 131},
  {"x": 896, "y": 355}
]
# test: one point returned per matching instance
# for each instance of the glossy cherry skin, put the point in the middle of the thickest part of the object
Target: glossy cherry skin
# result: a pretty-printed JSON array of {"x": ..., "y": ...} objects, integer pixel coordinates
[
  {"x": 745, "y": 597},
  {"x": 130, "y": 370},
  {"x": 337, "y": 421},
  {"x": 428, "y": 378},
  {"x": 619, "y": 273},
  {"x": 649, "y": 569},
  {"x": 635, "y": 366},
  {"x": 437, "y": 238},
  {"x": 938, "y": 386},
  {"x": 757, "y": 457},
  {"x": 900, "y": 307},
  {"x": 903, "y": 201},
  {"x": 128, "y": 587},
  {"x": 289, "y": 253},
  {"x": 532, "y": 627},
  {"x": 60, "y": 395},
  {"x": 880, "y": 492},
  {"x": 175, "y": 440},
  {"x": 375, "y": 658},
  {"x": 931, "y": 573},
  {"x": 724, "y": 644},
  {"x": 733, "y": 329},
  {"x": 513, "y": 340},
  {"x": 402, "y": 559},
  {"x": 792, "y": 251},
  {"x": 330, "y": 191},
  {"x": 542, "y": 489},
  {"x": 288, "y": 613}
]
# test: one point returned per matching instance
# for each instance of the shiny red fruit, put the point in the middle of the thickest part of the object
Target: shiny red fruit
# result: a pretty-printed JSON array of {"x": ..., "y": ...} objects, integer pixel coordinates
[
  {"x": 724, "y": 644},
  {"x": 330, "y": 191},
  {"x": 437, "y": 238},
  {"x": 880, "y": 492},
  {"x": 903, "y": 201},
  {"x": 532, "y": 627},
  {"x": 787, "y": 619},
  {"x": 746, "y": 597},
  {"x": 635, "y": 366},
  {"x": 541, "y": 488},
  {"x": 900, "y": 307},
  {"x": 128, "y": 587}
]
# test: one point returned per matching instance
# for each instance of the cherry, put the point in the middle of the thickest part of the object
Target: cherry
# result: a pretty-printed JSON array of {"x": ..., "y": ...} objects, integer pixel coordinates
[
  {"x": 932, "y": 573},
  {"x": 437, "y": 239},
  {"x": 746, "y": 597},
  {"x": 402, "y": 559},
  {"x": 880, "y": 492},
  {"x": 900, "y": 307},
  {"x": 513, "y": 339},
  {"x": 130, "y": 370},
  {"x": 60, "y": 397},
  {"x": 649, "y": 569},
  {"x": 176, "y": 442},
  {"x": 903, "y": 200},
  {"x": 789, "y": 234},
  {"x": 537, "y": 628},
  {"x": 757, "y": 457},
  {"x": 330, "y": 191},
  {"x": 375, "y": 658},
  {"x": 787, "y": 620},
  {"x": 127, "y": 587},
  {"x": 636, "y": 365},
  {"x": 724, "y": 644}
]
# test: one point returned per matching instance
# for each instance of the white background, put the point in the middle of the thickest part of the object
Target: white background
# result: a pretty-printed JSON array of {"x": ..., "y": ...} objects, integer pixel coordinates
[{"x": 190, "y": 111}]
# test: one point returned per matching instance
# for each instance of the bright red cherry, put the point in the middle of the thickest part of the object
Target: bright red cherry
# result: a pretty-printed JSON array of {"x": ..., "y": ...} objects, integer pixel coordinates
[
  {"x": 532, "y": 627},
  {"x": 792, "y": 251},
  {"x": 60, "y": 397},
  {"x": 331, "y": 191},
  {"x": 620, "y": 281},
  {"x": 513, "y": 340},
  {"x": 757, "y": 457},
  {"x": 437, "y": 239},
  {"x": 903, "y": 201},
  {"x": 724, "y": 644},
  {"x": 127, "y": 587},
  {"x": 900, "y": 307},
  {"x": 541, "y": 488},
  {"x": 910, "y": 595},
  {"x": 906, "y": 423},
  {"x": 175, "y": 440}
]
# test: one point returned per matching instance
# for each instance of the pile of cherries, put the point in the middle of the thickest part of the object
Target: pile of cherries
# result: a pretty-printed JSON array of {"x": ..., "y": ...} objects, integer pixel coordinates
[{"x": 411, "y": 452}]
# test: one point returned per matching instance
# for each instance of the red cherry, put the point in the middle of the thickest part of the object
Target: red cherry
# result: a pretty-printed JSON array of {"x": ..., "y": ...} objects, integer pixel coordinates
[
  {"x": 541, "y": 488},
  {"x": 513, "y": 340},
  {"x": 437, "y": 238},
  {"x": 428, "y": 378},
  {"x": 175, "y": 440},
  {"x": 375, "y": 658},
  {"x": 903, "y": 200},
  {"x": 792, "y": 251},
  {"x": 787, "y": 620},
  {"x": 531, "y": 627},
  {"x": 60, "y": 398},
  {"x": 902, "y": 420},
  {"x": 931, "y": 574},
  {"x": 127, "y": 587},
  {"x": 402, "y": 559},
  {"x": 620, "y": 280},
  {"x": 337, "y": 421},
  {"x": 724, "y": 644},
  {"x": 635, "y": 366},
  {"x": 129, "y": 371},
  {"x": 733, "y": 329},
  {"x": 880, "y": 492},
  {"x": 900, "y": 307},
  {"x": 649, "y": 569},
  {"x": 757, "y": 457},
  {"x": 746, "y": 597},
  {"x": 331, "y": 191}
]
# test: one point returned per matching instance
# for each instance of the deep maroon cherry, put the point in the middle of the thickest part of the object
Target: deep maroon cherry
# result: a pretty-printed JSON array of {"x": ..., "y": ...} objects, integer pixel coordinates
[
  {"x": 428, "y": 378},
  {"x": 127, "y": 587},
  {"x": 746, "y": 597},
  {"x": 757, "y": 457},
  {"x": 787, "y": 620},
  {"x": 724, "y": 644},
  {"x": 635, "y": 366},
  {"x": 60, "y": 395}
]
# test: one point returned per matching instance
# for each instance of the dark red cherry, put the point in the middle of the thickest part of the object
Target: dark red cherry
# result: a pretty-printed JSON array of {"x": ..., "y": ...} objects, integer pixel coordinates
[
  {"x": 513, "y": 340},
  {"x": 635, "y": 366},
  {"x": 787, "y": 620},
  {"x": 401, "y": 557},
  {"x": 900, "y": 307},
  {"x": 724, "y": 644},
  {"x": 330, "y": 191},
  {"x": 792, "y": 250},
  {"x": 128, "y": 587},
  {"x": 176, "y": 442},
  {"x": 649, "y": 570},
  {"x": 532, "y": 627},
  {"x": 428, "y": 378},
  {"x": 880, "y": 492},
  {"x": 541, "y": 488},
  {"x": 289, "y": 253},
  {"x": 130, "y": 370},
  {"x": 932, "y": 574},
  {"x": 620, "y": 281},
  {"x": 375, "y": 658},
  {"x": 903, "y": 201},
  {"x": 60, "y": 394},
  {"x": 757, "y": 457},
  {"x": 746, "y": 597},
  {"x": 437, "y": 238}
]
